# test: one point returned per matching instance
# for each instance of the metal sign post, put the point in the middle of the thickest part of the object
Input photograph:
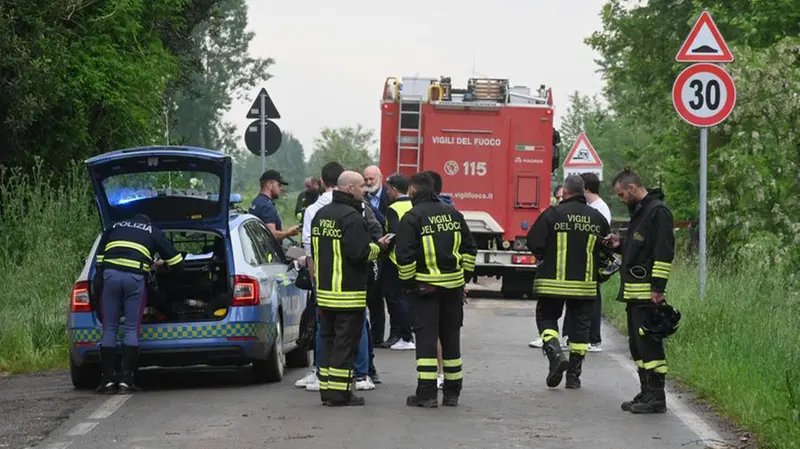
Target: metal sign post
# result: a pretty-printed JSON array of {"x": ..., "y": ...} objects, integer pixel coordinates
[
  {"x": 263, "y": 137},
  {"x": 703, "y": 206},
  {"x": 704, "y": 95},
  {"x": 263, "y": 123}
]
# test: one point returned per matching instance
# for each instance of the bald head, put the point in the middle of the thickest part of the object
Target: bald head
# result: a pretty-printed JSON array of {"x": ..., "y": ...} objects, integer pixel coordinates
[
  {"x": 353, "y": 183},
  {"x": 373, "y": 178}
]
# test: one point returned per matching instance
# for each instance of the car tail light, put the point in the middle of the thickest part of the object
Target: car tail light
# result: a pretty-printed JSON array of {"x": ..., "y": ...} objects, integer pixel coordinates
[
  {"x": 523, "y": 260},
  {"x": 245, "y": 291},
  {"x": 80, "y": 297}
]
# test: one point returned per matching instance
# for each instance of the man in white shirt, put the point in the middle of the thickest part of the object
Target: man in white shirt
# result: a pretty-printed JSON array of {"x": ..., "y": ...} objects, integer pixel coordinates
[{"x": 591, "y": 183}]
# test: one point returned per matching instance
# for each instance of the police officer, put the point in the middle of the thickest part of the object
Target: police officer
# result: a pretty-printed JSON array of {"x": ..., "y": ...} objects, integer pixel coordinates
[
  {"x": 433, "y": 250},
  {"x": 342, "y": 251},
  {"x": 647, "y": 253},
  {"x": 565, "y": 238},
  {"x": 263, "y": 205},
  {"x": 124, "y": 258}
]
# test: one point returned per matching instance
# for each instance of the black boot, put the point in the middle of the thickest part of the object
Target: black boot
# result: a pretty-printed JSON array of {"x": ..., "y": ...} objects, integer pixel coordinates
[
  {"x": 574, "y": 371},
  {"x": 558, "y": 362},
  {"x": 130, "y": 359},
  {"x": 643, "y": 381},
  {"x": 450, "y": 400},
  {"x": 654, "y": 400},
  {"x": 351, "y": 401},
  {"x": 108, "y": 359},
  {"x": 416, "y": 401}
]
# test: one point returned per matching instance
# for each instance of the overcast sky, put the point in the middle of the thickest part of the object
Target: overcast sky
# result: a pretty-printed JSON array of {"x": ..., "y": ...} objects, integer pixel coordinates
[{"x": 332, "y": 57}]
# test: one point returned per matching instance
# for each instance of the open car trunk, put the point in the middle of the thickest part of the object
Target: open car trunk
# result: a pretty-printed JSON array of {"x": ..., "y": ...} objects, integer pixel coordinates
[{"x": 200, "y": 292}]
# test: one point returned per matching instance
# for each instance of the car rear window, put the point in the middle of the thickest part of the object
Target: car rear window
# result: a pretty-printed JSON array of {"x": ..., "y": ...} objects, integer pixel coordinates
[{"x": 130, "y": 187}]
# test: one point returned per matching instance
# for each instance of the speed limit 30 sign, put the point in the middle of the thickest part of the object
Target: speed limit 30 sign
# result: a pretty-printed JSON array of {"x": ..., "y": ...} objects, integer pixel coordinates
[{"x": 704, "y": 94}]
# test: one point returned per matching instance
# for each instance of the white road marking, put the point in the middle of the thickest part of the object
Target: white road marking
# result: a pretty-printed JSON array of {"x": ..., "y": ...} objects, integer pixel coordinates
[
  {"x": 63, "y": 445},
  {"x": 109, "y": 407},
  {"x": 82, "y": 428},
  {"x": 710, "y": 437}
]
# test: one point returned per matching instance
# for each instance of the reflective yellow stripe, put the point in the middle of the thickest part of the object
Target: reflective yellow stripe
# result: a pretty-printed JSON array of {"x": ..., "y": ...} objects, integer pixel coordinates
[
  {"x": 427, "y": 362},
  {"x": 468, "y": 262},
  {"x": 456, "y": 248},
  {"x": 315, "y": 245},
  {"x": 565, "y": 288},
  {"x": 454, "y": 376},
  {"x": 449, "y": 280},
  {"x": 639, "y": 363},
  {"x": 429, "y": 250},
  {"x": 129, "y": 245},
  {"x": 336, "y": 280},
  {"x": 452, "y": 362},
  {"x": 661, "y": 269},
  {"x": 590, "y": 257},
  {"x": 424, "y": 375},
  {"x": 128, "y": 263},
  {"x": 406, "y": 272},
  {"x": 561, "y": 256},
  {"x": 339, "y": 372},
  {"x": 549, "y": 334},
  {"x": 338, "y": 386},
  {"x": 374, "y": 251},
  {"x": 99, "y": 258},
  {"x": 175, "y": 260},
  {"x": 579, "y": 348},
  {"x": 636, "y": 290},
  {"x": 659, "y": 366}
]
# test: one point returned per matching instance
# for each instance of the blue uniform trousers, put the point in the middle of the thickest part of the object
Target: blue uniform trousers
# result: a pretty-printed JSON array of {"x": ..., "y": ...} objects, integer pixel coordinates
[{"x": 122, "y": 292}]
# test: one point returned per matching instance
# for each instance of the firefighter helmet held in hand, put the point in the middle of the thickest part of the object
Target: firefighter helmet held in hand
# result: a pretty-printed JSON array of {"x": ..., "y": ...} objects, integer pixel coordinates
[{"x": 663, "y": 321}]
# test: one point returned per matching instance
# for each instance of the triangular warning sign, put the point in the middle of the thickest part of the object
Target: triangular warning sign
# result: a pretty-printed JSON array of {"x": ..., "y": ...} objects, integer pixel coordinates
[
  {"x": 582, "y": 155},
  {"x": 704, "y": 43},
  {"x": 255, "y": 109}
]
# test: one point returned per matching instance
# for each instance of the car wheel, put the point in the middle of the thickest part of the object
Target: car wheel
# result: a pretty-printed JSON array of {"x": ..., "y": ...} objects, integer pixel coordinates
[
  {"x": 300, "y": 357},
  {"x": 84, "y": 377},
  {"x": 271, "y": 369}
]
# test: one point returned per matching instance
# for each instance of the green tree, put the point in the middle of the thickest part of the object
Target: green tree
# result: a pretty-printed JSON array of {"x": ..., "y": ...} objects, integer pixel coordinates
[
  {"x": 353, "y": 147},
  {"x": 225, "y": 73}
]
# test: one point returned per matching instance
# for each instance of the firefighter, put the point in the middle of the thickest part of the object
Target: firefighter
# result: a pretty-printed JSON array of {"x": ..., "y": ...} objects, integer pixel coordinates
[
  {"x": 433, "y": 250},
  {"x": 342, "y": 251},
  {"x": 647, "y": 252},
  {"x": 124, "y": 259},
  {"x": 565, "y": 238}
]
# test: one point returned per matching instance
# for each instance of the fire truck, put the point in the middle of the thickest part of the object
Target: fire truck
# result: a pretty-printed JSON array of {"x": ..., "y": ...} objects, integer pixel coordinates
[{"x": 496, "y": 149}]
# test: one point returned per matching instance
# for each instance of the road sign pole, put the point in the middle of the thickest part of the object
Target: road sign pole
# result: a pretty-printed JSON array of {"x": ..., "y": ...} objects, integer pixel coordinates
[
  {"x": 263, "y": 123},
  {"x": 703, "y": 202}
]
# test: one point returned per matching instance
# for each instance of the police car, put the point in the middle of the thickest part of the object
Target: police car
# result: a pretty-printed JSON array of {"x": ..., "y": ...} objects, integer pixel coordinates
[{"x": 235, "y": 303}]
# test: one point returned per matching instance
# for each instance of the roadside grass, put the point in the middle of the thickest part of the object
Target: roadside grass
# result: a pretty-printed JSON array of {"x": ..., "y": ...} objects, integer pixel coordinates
[
  {"x": 739, "y": 349},
  {"x": 46, "y": 226}
]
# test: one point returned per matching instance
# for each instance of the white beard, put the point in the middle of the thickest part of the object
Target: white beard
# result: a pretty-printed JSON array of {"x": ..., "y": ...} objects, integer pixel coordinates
[{"x": 373, "y": 189}]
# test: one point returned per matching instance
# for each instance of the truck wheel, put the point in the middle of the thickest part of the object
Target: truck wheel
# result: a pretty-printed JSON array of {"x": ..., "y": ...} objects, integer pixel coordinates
[
  {"x": 84, "y": 377},
  {"x": 271, "y": 369}
]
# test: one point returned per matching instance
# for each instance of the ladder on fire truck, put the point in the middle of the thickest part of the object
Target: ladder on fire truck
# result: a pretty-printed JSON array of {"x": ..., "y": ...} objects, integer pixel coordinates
[{"x": 409, "y": 131}]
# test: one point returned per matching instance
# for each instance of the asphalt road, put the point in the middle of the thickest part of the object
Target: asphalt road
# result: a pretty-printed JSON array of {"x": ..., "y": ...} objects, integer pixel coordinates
[{"x": 505, "y": 404}]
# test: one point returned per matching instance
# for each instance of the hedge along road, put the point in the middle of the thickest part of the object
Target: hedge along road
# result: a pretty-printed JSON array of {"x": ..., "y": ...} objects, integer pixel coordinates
[{"x": 505, "y": 404}]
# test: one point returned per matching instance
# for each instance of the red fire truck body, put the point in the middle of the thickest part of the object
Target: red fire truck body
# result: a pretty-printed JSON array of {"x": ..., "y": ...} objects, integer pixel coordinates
[{"x": 493, "y": 145}]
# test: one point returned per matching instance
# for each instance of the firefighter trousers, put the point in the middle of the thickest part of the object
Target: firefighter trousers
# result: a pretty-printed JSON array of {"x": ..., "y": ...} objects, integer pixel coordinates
[
  {"x": 548, "y": 311},
  {"x": 648, "y": 353},
  {"x": 438, "y": 316},
  {"x": 341, "y": 333}
]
